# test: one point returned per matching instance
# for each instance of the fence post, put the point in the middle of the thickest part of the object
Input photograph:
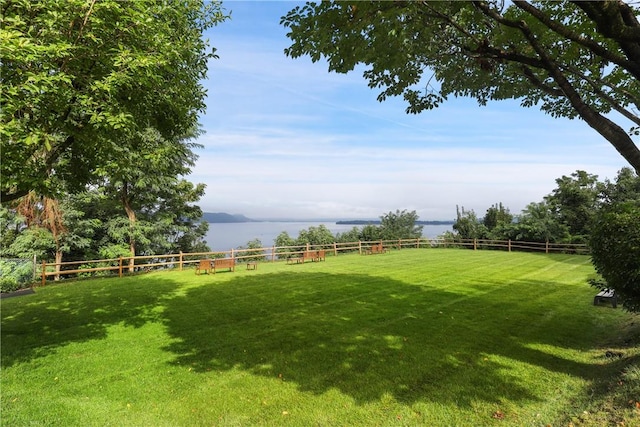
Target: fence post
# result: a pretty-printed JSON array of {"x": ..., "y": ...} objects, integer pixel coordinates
[
  {"x": 35, "y": 270},
  {"x": 475, "y": 244},
  {"x": 509, "y": 245},
  {"x": 335, "y": 249},
  {"x": 44, "y": 271},
  {"x": 546, "y": 247},
  {"x": 120, "y": 266},
  {"x": 360, "y": 247},
  {"x": 273, "y": 253},
  {"x": 181, "y": 258}
]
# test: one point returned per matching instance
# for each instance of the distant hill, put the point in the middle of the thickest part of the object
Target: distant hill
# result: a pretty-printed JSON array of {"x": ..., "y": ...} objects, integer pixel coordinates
[
  {"x": 225, "y": 217},
  {"x": 378, "y": 222}
]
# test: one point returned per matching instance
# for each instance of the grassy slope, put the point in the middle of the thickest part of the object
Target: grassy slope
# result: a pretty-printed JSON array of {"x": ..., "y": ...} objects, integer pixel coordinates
[{"x": 431, "y": 337}]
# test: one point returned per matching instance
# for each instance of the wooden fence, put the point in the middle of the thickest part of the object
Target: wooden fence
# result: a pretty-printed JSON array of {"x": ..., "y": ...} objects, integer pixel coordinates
[{"x": 123, "y": 265}]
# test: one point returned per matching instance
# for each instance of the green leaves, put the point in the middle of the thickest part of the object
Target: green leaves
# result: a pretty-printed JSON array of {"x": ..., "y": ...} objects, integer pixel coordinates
[
  {"x": 615, "y": 244},
  {"x": 554, "y": 55},
  {"x": 80, "y": 78},
  {"x": 400, "y": 225},
  {"x": 615, "y": 238}
]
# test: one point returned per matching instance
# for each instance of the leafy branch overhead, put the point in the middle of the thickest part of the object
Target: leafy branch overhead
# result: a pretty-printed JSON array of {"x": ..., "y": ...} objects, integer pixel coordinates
[
  {"x": 571, "y": 59},
  {"x": 82, "y": 79}
]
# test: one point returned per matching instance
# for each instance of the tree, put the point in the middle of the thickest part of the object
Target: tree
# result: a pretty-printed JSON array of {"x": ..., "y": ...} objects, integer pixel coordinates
[
  {"x": 575, "y": 201},
  {"x": 572, "y": 58},
  {"x": 48, "y": 228},
  {"x": 147, "y": 176},
  {"x": 92, "y": 225},
  {"x": 80, "y": 78},
  {"x": 467, "y": 225},
  {"x": 615, "y": 239},
  {"x": 252, "y": 254},
  {"x": 497, "y": 216},
  {"x": 349, "y": 236},
  {"x": 538, "y": 223},
  {"x": 319, "y": 235},
  {"x": 284, "y": 242},
  {"x": 400, "y": 225},
  {"x": 370, "y": 233},
  {"x": 625, "y": 188}
]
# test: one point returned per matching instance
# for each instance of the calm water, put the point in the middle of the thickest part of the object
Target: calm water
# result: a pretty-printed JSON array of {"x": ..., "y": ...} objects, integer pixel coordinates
[{"x": 227, "y": 236}]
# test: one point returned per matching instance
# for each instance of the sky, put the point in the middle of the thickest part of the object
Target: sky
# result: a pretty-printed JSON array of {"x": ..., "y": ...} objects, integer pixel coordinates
[{"x": 284, "y": 138}]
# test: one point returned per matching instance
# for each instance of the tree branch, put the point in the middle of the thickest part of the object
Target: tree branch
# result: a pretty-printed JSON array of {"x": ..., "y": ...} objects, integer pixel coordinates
[
  {"x": 615, "y": 19},
  {"x": 590, "y": 44},
  {"x": 86, "y": 19},
  {"x": 8, "y": 196},
  {"x": 597, "y": 89},
  {"x": 534, "y": 80},
  {"x": 601, "y": 124}
]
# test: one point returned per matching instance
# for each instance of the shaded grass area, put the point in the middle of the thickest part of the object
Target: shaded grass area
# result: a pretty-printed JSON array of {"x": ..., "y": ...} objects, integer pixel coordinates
[{"x": 412, "y": 337}]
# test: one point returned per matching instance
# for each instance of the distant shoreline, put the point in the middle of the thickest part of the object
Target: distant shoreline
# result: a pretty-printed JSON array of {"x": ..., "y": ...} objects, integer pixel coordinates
[
  {"x": 225, "y": 218},
  {"x": 378, "y": 222}
]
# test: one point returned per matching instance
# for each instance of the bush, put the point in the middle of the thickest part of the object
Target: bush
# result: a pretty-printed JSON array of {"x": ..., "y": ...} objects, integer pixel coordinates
[
  {"x": 8, "y": 284},
  {"x": 15, "y": 274},
  {"x": 615, "y": 251}
]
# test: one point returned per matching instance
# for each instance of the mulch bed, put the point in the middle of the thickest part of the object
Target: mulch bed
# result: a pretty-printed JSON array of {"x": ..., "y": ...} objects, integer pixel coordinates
[{"x": 17, "y": 293}]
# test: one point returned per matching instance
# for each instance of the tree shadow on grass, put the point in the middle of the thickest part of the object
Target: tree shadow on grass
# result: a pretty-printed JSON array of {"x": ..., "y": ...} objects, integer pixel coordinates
[
  {"x": 36, "y": 325},
  {"x": 366, "y": 336}
]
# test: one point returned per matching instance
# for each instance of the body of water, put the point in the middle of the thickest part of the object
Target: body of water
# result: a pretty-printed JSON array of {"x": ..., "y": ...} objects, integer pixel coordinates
[{"x": 227, "y": 236}]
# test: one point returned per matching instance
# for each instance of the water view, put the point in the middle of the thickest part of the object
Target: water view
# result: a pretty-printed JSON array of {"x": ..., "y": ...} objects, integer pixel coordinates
[{"x": 226, "y": 236}]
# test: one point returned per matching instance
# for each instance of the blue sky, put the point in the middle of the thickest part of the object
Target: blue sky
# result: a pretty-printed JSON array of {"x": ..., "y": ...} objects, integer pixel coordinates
[{"x": 285, "y": 138}]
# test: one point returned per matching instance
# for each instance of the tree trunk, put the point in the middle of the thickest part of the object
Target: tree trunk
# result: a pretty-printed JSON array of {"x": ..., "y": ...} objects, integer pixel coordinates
[
  {"x": 58, "y": 261},
  {"x": 131, "y": 214},
  {"x": 616, "y": 136}
]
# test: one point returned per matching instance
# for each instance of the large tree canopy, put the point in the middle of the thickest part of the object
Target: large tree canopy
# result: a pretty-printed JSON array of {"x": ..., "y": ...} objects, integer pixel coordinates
[
  {"x": 80, "y": 77},
  {"x": 572, "y": 59}
]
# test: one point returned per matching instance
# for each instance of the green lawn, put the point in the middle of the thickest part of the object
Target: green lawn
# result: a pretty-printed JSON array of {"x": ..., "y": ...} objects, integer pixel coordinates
[{"x": 438, "y": 337}]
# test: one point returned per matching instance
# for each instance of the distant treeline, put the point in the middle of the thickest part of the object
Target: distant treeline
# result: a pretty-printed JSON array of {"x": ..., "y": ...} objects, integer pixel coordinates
[
  {"x": 378, "y": 222},
  {"x": 222, "y": 217}
]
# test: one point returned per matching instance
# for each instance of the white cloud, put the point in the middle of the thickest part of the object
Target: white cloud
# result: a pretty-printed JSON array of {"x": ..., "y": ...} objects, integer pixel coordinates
[{"x": 286, "y": 138}]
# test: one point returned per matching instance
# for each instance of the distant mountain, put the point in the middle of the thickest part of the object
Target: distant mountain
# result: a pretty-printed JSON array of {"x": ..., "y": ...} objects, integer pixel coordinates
[{"x": 225, "y": 217}]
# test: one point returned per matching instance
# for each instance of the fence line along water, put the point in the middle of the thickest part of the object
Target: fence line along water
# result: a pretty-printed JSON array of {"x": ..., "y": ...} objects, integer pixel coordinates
[
  {"x": 222, "y": 236},
  {"x": 124, "y": 265}
]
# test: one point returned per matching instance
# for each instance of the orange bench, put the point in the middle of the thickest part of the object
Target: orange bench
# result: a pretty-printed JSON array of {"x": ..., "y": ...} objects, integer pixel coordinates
[
  {"x": 312, "y": 255},
  {"x": 376, "y": 249},
  {"x": 229, "y": 263},
  {"x": 204, "y": 265}
]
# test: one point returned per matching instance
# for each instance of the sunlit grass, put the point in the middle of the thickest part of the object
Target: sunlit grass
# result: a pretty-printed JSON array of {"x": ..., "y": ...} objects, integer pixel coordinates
[{"x": 411, "y": 337}]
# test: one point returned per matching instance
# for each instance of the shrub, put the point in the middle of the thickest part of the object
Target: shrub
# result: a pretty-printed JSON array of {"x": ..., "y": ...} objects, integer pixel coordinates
[
  {"x": 15, "y": 274},
  {"x": 615, "y": 247}
]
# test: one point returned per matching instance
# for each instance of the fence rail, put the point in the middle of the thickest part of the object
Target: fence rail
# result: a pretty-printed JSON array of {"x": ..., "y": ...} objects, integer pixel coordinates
[{"x": 123, "y": 265}]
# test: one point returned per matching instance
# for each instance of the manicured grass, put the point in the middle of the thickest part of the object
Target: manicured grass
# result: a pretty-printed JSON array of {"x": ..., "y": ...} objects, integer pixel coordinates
[{"x": 438, "y": 337}]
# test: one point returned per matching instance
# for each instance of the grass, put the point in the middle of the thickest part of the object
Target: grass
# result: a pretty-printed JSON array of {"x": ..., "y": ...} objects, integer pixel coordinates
[{"x": 412, "y": 337}]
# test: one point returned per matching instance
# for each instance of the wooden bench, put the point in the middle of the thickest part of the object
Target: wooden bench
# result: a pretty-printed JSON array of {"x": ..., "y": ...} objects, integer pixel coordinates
[
  {"x": 606, "y": 295},
  {"x": 312, "y": 255},
  {"x": 376, "y": 249},
  {"x": 294, "y": 260},
  {"x": 204, "y": 266},
  {"x": 252, "y": 265},
  {"x": 229, "y": 263}
]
